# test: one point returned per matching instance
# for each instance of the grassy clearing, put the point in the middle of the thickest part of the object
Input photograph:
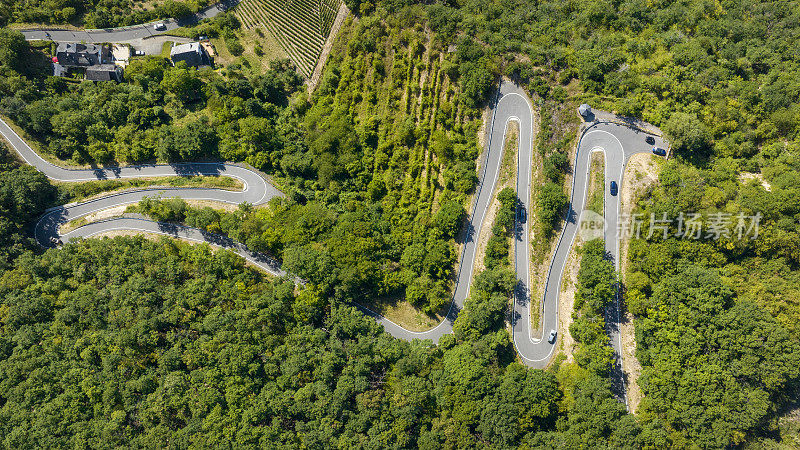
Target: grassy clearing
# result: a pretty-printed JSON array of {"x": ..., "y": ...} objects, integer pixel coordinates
[
  {"x": 224, "y": 56},
  {"x": 72, "y": 224},
  {"x": 90, "y": 189},
  {"x": 166, "y": 48},
  {"x": 260, "y": 48},
  {"x": 594, "y": 200},
  {"x": 508, "y": 167},
  {"x": 403, "y": 313}
]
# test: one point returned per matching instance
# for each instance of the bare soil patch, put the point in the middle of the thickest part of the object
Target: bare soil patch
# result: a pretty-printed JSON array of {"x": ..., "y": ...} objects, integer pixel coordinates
[
  {"x": 229, "y": 207},
  {"x": 746, "y": 177},
  {"x": 640, "y": 174},
  {"x": 96, "y": 216},
  {"x": 566, "y": 302}
]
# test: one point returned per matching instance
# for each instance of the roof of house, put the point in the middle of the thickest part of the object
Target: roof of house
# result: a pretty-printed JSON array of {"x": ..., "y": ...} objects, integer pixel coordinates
[
  {"x": 103, "y": 72},
  {"x": 78, "y": 54},
  {"x": 584, "y": 109},
  {"x": 192, "y": 53},
  {"x": 59, "y": 70}
]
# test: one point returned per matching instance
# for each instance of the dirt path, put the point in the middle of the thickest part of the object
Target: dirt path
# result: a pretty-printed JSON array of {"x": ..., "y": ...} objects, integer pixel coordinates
[
  {"x": 326, "y": 49},
  {"x": 641, "y": 173}
]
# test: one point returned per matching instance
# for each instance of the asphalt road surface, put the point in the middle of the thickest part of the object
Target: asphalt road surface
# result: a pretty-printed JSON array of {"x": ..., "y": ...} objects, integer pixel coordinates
[{"x": 124, "y": 34}]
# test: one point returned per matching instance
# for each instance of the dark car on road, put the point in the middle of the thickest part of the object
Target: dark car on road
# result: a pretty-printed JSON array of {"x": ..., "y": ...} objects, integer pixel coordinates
[
  {"x": 659, "y": 151},
  {"x": 521, "y": 215},
  {"x": 613, "y": 188},
  {"x": 650, "y": 140}
]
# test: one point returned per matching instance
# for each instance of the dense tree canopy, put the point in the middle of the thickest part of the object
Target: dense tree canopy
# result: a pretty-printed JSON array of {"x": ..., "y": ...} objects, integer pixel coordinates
[
  {"x": 94, "y": 13},
  {"x": 378, "y": 163},
  {"x": 157, "y": 343},
  {"x": 24, "y": 195}
]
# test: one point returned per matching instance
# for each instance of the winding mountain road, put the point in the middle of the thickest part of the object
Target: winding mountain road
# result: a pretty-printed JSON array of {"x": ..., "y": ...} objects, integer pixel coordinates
[
  {"x": 256, "y": 191},
  {"x": 617, "y": 142},
  {"x": 511, "y": 104}
]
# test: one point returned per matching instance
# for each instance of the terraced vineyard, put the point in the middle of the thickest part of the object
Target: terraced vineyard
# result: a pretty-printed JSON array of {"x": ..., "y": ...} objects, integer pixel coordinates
[{"x": 300, "y": 26}]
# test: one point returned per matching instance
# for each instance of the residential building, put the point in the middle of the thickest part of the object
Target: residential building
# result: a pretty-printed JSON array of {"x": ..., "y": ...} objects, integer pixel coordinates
[
  {"x": 75, "y": 54},
  {"x": 104, "y": 72},
  {"x": 192, "y": 54}
]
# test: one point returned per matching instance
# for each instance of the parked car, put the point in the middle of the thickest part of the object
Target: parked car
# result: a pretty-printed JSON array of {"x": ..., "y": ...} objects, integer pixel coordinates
[
  {"x": 160, "y": 26},
  {"x": 650, "y": 140},
  {"x": 521, "y": 214},
  {"x": 613, "y": 188},
  {"x": 552, "y": 338},
  {"x": 138, "y": 53},
  {"x": 659, "y": 151}
]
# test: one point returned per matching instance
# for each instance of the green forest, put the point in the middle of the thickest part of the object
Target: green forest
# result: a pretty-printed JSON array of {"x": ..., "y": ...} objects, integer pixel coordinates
[
  {"x": 137, "y": 342},
  {"x": 95, "y": 13}
]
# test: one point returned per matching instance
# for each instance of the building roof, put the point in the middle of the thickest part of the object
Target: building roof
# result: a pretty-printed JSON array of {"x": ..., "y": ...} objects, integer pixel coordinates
[
  {"x": 584, "y": 109},
  {"x": 183, "y": 48},
  {"x": 192, "y": 54},
  {"x": 104, "y": 72},
  {"x": 59, "y": 70},
  {"x": 73, "y": 54}
]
